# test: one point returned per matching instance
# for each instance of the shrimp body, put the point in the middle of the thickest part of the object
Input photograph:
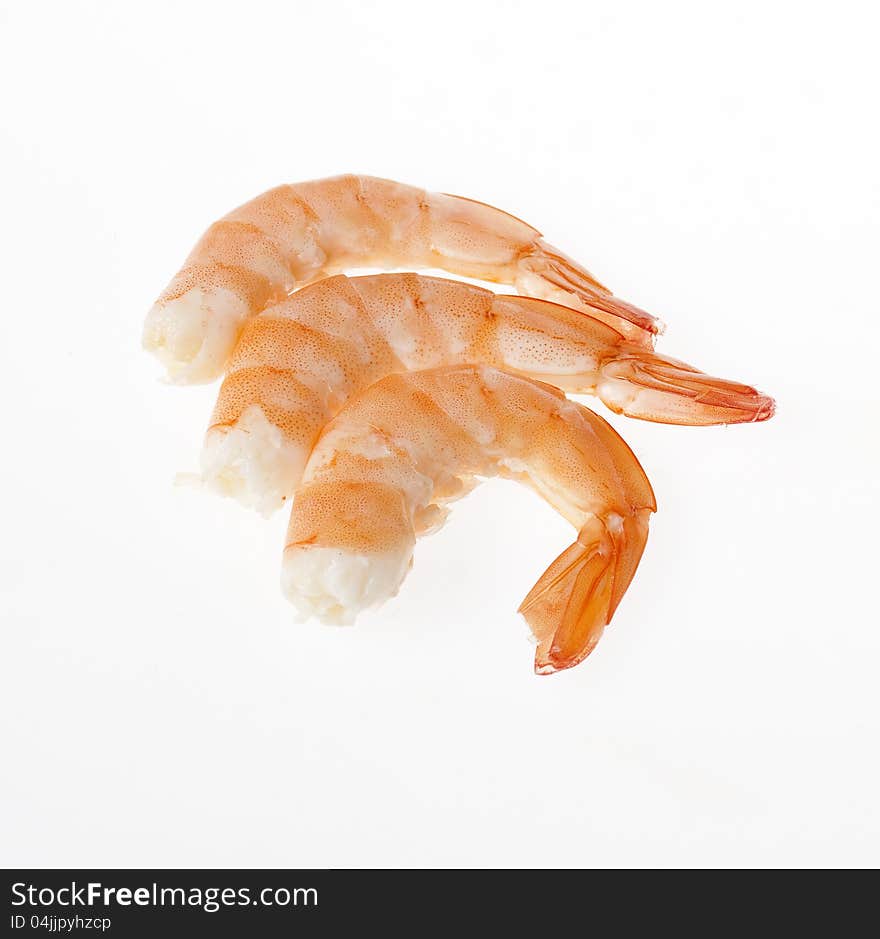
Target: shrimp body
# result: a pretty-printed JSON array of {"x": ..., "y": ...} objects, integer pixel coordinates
[
  {"x": 385, "y": 467},
  {"x": 298, "y": 362},
  {"x": 295, "y": 234}
]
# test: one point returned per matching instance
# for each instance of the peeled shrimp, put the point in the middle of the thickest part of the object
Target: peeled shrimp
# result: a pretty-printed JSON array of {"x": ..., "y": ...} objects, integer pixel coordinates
[
  {"x": 384, "y": 468},
  {"x": 298, "y": 362},
  {"x": 293, "y": 235}
]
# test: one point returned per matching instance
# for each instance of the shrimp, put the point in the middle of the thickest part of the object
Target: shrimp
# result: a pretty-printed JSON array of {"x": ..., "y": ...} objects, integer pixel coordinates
[
  {"x": 299, "y": 361},
  {"x": 295, "y": 234},
  {"x": 385, "y": 467}
]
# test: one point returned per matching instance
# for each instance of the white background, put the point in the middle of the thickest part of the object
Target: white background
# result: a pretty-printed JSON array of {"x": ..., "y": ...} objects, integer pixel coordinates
[{"x": 716, "y": 166}]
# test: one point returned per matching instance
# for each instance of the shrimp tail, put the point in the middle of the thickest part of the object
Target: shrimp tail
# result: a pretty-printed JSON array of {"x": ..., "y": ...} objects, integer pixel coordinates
[
  {"x": 569, "y": 607},
  {"x": 549, "y": 274},
  {"x": 656, "y": 388}
]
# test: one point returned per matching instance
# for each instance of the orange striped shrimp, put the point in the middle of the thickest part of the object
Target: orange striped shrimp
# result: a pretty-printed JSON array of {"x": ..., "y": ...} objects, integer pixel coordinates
[
  {"x": 298, "y": 362},
  {"x": 295, "y": 234},
  {"x": 385, "y": 467}
]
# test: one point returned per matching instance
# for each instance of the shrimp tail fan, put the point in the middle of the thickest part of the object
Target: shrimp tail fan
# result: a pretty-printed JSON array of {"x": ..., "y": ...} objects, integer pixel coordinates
[
  {"x": 547, "y": 267},
  {"x": 569, "y": 607},
  {"x": 655, "y": 387}
]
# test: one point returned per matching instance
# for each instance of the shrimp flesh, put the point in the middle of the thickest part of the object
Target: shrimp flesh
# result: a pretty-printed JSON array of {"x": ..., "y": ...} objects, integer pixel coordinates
[
  {"x": 295, "y": 234},
  {"x": 384, "y": 468},
  {"x": 298, "y": 362}
]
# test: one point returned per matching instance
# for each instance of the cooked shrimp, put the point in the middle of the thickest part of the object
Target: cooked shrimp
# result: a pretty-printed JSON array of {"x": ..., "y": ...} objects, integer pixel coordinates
[
  {"x": 298, "y": 362},
  {"x": 292, "y": 235},
  {"x": 384, "y": 468}
]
